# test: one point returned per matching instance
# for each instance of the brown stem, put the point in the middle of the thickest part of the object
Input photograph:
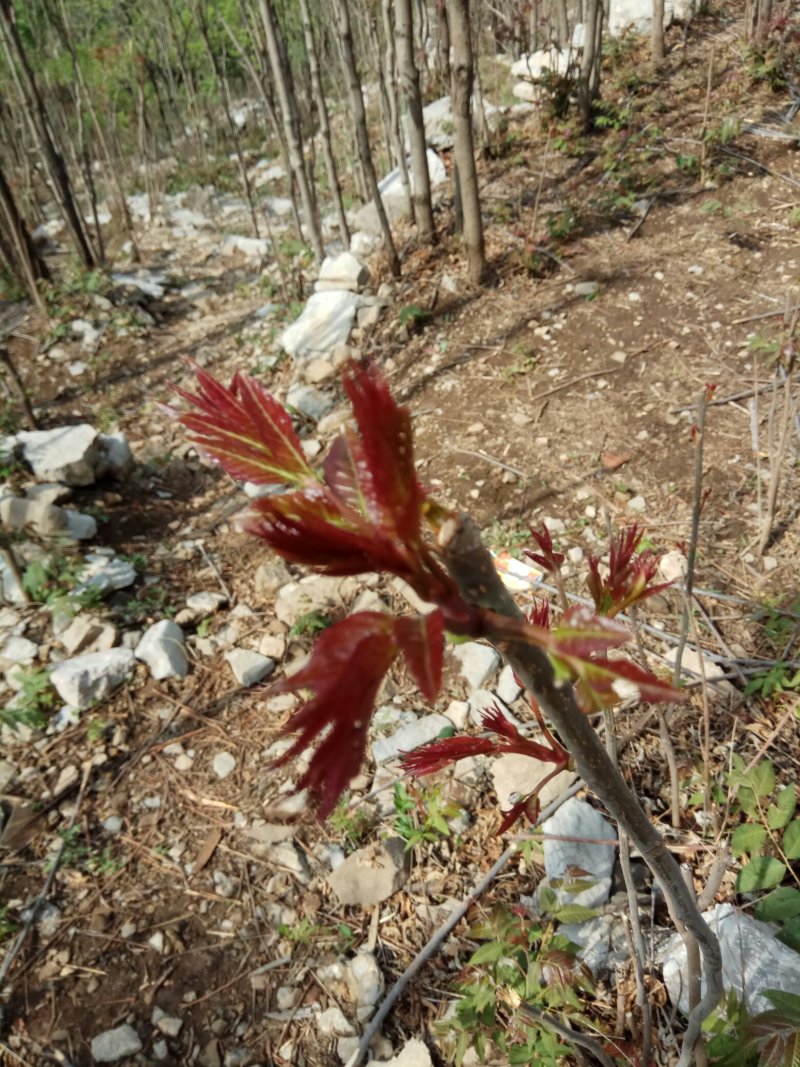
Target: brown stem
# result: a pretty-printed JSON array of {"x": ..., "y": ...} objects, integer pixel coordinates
[{"x": 472, "y": 568}]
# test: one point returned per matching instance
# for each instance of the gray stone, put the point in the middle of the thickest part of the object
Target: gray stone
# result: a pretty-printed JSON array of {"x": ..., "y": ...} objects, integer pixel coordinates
[
  {"x": 345, "y": 271},
  {"x": 69, "y": 454},
  {"x": 595, "y": 939},
  {"x": 409, "y": 737},
  {"x": 514, "y": 776},
  {"x": 476, "y": 662},
  {"x": 364, "y": 978},
  {"x": 311, "y": 402},
  {"x": 80, "y": 527},
  {"x": 752, "y": 960},
  {"x": 672, "y": 566},
  {"x": 587, "y": 289},
  {"x": 22, "y": 513},
  {"x": 371, "y": 875},
  {"x": 508, "y": 688},
  {"x": 324, "y": 323},
  {"x": 637, "y": 504},
  {"x": 116, "y": 457},
  {"x": 163, "y": 650},
  {"x": 49, "y": 492},
  {"x": 366, "y": 218},
  {"x": 578, "y": 820},
  {"x": 249, "y": 667},
  {"x": 116, "y": 1044},
  {"x": 223, "y": 764},
  {"x": 84, "y": 680}
]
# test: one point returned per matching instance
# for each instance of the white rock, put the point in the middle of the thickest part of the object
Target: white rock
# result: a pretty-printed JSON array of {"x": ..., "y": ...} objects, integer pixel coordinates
[
  {"x": 752, "y": 960},
  {"x": 333, "y": 1023},
  {"x": 409, "y": 737},
  {"x": 249, "y": 667},
  {"x": 637, "y": 504},
  {"x": 694, "y": 665},
  {"x": 595, "y": 938},
  {"x": 86, "y": 633},
  {"x": 116, "y": 1044},
  {"x": 163, "y": 650},
  {"x": 37, "y": 516},
  {"x": 250, "y": 247},
  {"x": 514, "y": 776},
  {"x": 364, "y": 244},
  {"x": 364, "y": 978},
  {"x": 458, "y": 713},
  {"x": 88, "y": 333},
  {"x": 84, "y": 680},
  {"x": 578, "y": 820},
  {"x": 68, "y": 454},
  {"x": 672, "y": 566},
  {"x": 392, "y": 184},
  {"x": 344, "y": 271},
  {"x": 224, "y": 763},
  {"x": 105, "y": 574},
  {"x": 413, "y": 1054},
  {"x": 508, "y": 688},
  {"x": 324, "y": 323},
  {"x": 372, "y": 874},
  {"x": 206, "y": 603},
  {"x": 477, "y": 662},
  {"x": 18, "y": 650}
]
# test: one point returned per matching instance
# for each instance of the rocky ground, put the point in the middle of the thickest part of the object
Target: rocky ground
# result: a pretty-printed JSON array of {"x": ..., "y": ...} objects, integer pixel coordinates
[{"x": 194, "y": 911}]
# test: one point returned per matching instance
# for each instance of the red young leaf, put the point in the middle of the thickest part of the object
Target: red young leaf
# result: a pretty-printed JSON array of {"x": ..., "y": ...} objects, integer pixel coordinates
[
  {"x": 547, "y": 558},
  {"x": 246, "y": 430},
  {"x": 386, "y": 472},
  {"x": 346, "y": 669},
  {"x": 581, "y": 633},
  {"x": 430, "y": 758},
  {"x": 602, "y": 683},
  {"x": 539, "y": 614},
  {"x": 629, "y": 574},
  {"x": 421, "y": 639},
  {"x": 528, "y": 806},
  {"x": 316, "y": 528}
]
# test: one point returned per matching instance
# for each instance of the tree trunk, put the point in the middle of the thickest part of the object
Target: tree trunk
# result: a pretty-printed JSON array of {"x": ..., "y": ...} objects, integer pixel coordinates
[
  {"x": 324, "y": 121},
  {"x": 290, "y": 127},
  {"x": 659, "y": 48},
  {"x": 409, "y": 84},
  {"x": 362, "y": 135},
  {"x": 763, "y": 19},
  {"x": 589, "y": 82},
  {"x": 52, "y": 158},
  {"x": 260, "y": 87},
  {"x": 463, "y": 147},
  {"x": 30, "y": 265}
]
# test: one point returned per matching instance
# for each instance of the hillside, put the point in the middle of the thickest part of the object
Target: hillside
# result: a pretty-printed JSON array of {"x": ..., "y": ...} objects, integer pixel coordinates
[{"x": 192, "y": 906}]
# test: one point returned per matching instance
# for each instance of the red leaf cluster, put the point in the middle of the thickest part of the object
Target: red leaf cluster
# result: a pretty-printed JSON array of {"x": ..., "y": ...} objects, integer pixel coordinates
[
  {"x": 345, "y": 672},
  {"x": 629, "y": 574},
  {"x": 546, "y": 557}
]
